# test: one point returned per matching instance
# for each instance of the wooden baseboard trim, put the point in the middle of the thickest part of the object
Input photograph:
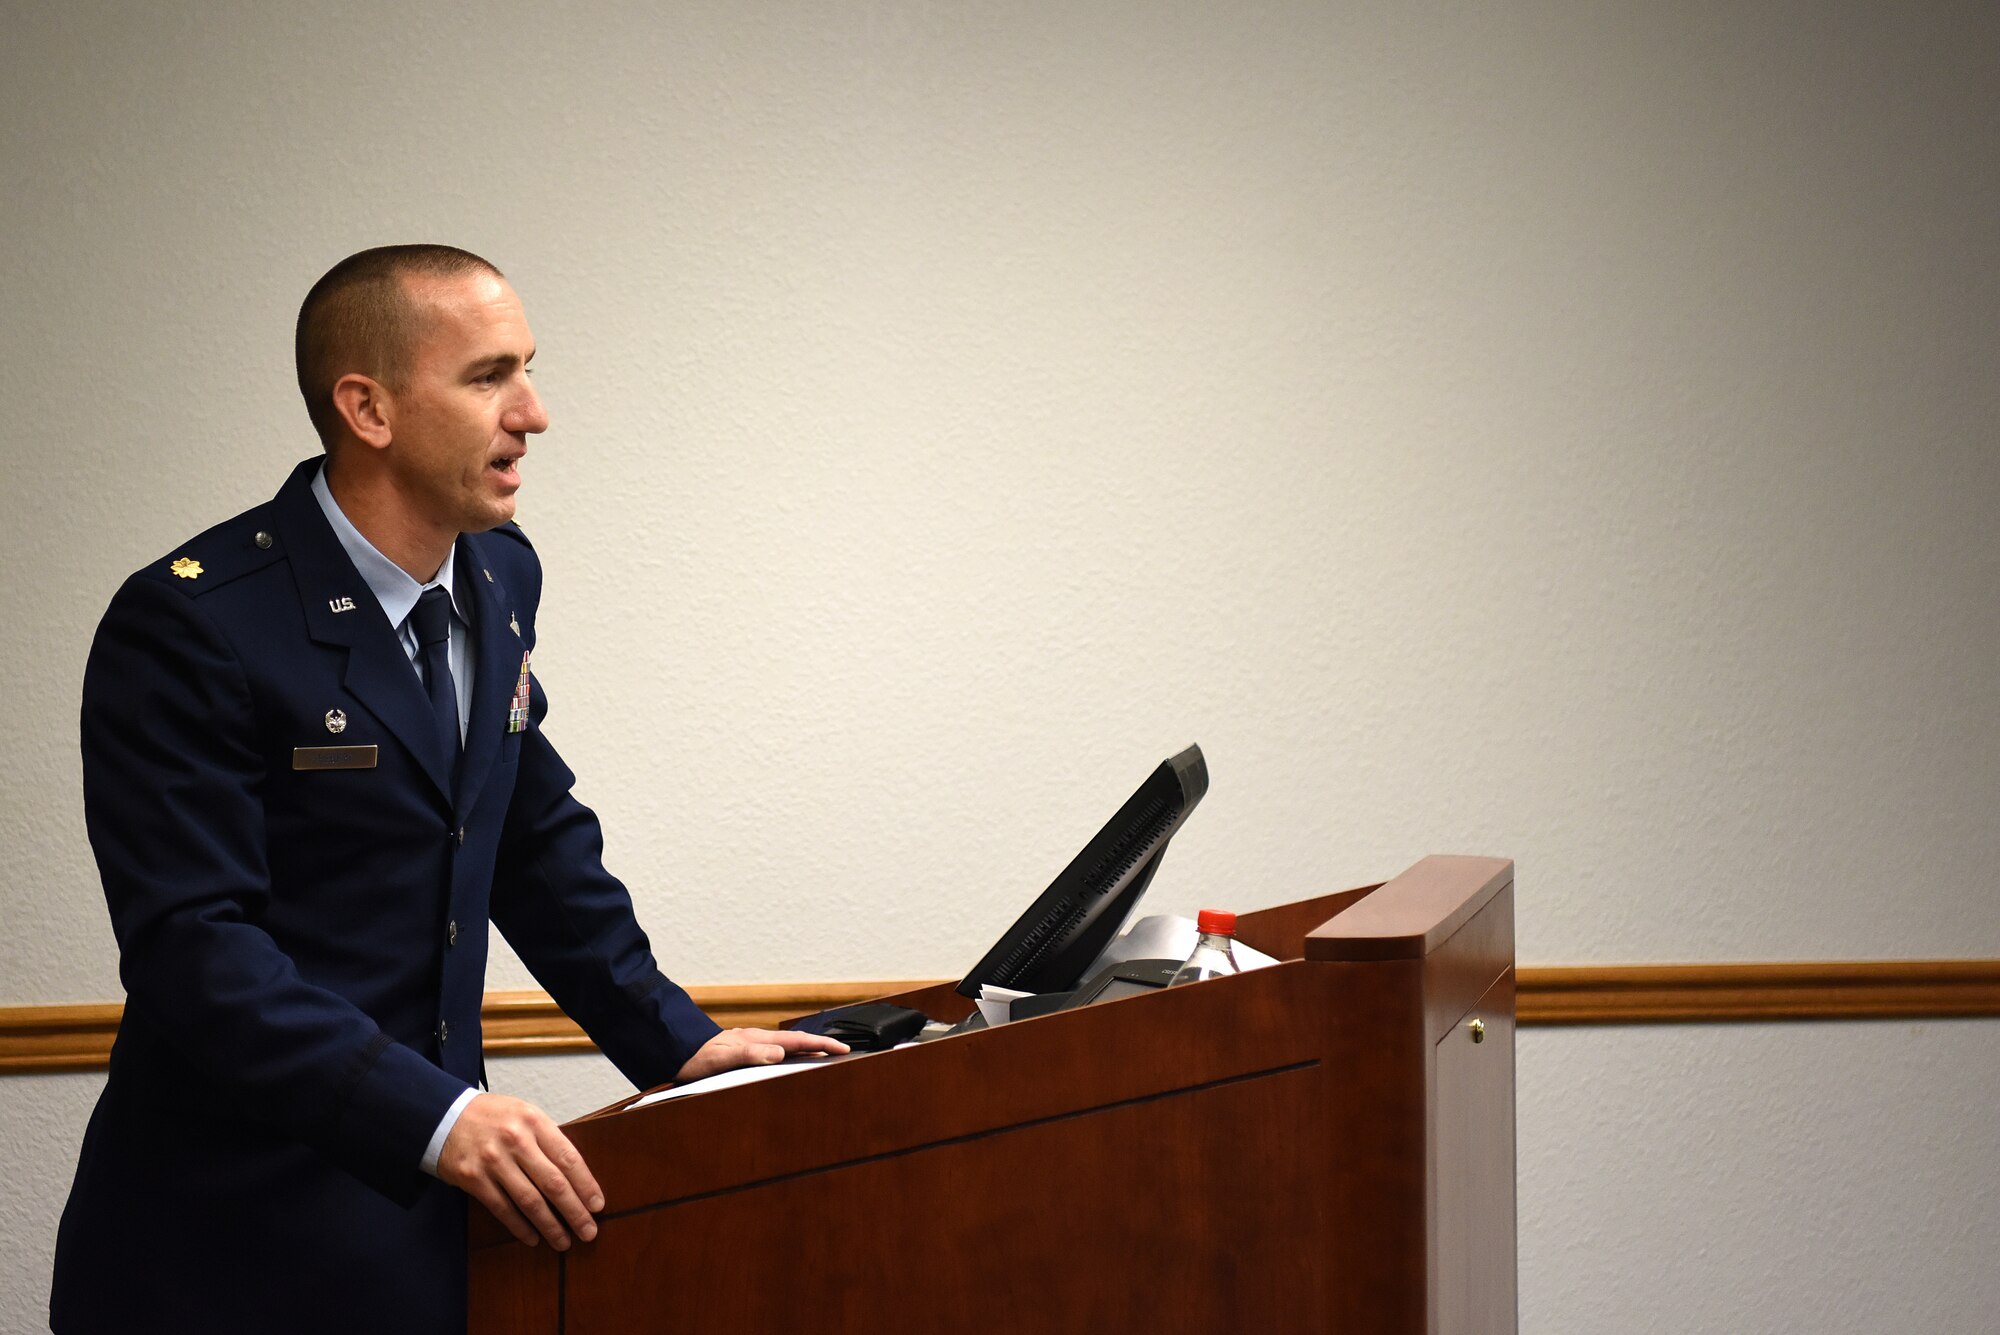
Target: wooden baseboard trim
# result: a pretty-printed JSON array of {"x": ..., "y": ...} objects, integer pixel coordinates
[
  {"x": 40, "y": 1039},
  {"x": 1711, "y": 993}
]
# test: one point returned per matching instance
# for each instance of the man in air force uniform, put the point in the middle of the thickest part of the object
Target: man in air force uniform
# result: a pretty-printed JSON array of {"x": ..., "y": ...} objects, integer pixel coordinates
[{"x": 313, "y": 770}]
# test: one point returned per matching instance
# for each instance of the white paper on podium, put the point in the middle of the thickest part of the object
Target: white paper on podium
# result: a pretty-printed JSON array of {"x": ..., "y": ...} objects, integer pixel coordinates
[
  {"x": 996, "y": 1003},
  {"x": 742, "y": 1075}
]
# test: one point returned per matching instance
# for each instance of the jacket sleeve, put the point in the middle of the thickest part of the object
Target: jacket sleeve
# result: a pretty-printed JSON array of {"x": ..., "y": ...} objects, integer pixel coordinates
[
  {"x": 572, "y": 922},
  {"x": 173, "y": 800}
]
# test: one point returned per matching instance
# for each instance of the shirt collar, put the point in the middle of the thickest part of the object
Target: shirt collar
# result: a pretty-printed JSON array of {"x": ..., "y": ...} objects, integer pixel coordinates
[{"x": 390, "y": 583}]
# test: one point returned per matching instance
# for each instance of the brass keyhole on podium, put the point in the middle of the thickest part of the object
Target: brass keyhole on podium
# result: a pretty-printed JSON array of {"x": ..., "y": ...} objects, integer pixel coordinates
[{"x": 1478, "y": 1028}]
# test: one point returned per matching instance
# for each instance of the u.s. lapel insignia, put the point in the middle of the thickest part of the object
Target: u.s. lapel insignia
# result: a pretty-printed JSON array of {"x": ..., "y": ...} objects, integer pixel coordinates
[
  {"x": 339, "y": 605},
  {"x": 336, "y": 721},
  {"x": 517, "y": 709},
  {"x": 187, "y": 568}
]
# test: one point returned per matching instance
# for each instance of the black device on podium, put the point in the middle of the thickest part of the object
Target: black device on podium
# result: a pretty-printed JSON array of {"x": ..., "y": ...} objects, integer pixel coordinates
[{"x": 1067, "y": 927}]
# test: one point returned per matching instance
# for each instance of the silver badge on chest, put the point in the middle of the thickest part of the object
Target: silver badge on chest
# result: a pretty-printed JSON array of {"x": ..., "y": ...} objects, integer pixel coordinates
[{"x": 336, "y": 721}]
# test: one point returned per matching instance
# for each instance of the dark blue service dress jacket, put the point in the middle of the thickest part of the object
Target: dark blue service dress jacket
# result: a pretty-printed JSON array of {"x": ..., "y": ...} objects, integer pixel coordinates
[{"x": 302, "y": 934}]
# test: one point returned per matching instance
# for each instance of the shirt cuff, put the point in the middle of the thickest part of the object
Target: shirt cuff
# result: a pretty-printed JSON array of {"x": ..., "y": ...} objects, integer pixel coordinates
[{"x": 443, "y": 1132}]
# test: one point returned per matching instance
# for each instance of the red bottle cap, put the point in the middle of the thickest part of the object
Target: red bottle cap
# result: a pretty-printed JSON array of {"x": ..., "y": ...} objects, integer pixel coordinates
[{"x": 1215, "y": 920}]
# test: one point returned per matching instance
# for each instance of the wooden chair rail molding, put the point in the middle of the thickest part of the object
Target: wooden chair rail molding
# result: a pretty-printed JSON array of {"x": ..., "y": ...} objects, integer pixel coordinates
[{"x": 78, "y": 1038}]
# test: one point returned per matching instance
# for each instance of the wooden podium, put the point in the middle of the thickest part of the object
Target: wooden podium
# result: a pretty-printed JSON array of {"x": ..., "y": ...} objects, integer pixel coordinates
[{"x": 1324, "y": 1145}]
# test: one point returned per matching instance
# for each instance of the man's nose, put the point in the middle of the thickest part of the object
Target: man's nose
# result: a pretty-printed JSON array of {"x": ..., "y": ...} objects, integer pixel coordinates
[{"x": 527, "y": 414}]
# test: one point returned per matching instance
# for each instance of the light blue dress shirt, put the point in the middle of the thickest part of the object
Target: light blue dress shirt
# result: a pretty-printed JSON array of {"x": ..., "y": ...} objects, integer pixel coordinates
[{"x": 398, "y": 593}]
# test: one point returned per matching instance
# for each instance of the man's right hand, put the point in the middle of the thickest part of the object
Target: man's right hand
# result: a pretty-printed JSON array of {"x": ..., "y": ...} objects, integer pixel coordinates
[{"x": 509, "y": 1156}]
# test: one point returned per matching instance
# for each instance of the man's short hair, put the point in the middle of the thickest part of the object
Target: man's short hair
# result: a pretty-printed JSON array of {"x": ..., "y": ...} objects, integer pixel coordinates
[{"x": 360, "y": 317}]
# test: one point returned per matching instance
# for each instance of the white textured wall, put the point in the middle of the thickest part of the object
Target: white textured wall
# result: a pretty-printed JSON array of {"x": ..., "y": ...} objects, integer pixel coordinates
[{"x": 1535, "y": 429}]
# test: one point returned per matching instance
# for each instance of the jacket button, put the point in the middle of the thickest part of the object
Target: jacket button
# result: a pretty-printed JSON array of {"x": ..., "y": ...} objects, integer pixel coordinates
[
  {"x": 444, "y": 1033},
  {"x": 264, "y": 541},
  {"x": 451, "y": 932}
]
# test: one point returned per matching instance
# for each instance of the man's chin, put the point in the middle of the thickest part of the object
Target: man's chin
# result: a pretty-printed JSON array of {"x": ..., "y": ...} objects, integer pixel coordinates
[{"x": 491, "y": 516}]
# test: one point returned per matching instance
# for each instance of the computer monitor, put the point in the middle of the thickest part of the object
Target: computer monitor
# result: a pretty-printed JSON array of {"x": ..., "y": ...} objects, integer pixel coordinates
[{"x": 1051, "y": 945}]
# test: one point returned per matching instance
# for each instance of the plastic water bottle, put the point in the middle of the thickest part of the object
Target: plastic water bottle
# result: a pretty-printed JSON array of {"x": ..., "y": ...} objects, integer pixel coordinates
[{"x": 1212, "y": 956}]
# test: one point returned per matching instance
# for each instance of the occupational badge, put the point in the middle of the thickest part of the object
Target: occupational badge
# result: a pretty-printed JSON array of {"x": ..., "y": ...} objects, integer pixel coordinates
[
  {"x": 336, "y": 721},
  {"x": 517, "y": 711},
  {"x": 187, "y": 567}
]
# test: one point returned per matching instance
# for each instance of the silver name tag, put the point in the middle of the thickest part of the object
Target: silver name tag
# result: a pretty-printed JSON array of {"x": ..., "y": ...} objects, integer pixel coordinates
[{"x": 333, "y": 757}]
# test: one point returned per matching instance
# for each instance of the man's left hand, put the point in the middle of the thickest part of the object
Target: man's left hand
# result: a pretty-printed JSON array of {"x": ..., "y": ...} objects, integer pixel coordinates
[{"x": 753, "y": 1047}]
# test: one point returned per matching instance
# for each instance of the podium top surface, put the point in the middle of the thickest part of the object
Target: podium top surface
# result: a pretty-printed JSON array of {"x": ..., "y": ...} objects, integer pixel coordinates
[{"x": 1415, "y": 913}]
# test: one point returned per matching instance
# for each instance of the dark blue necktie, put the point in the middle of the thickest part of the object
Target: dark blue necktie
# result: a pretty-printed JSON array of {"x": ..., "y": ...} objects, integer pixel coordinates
[{"x": 431, "y": 619}]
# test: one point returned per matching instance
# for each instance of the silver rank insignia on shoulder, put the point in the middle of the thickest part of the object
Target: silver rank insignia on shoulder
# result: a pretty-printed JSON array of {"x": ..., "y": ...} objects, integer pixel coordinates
[
  {"x": 341, "y": 604},
  {"x": 336, "y": 721}
]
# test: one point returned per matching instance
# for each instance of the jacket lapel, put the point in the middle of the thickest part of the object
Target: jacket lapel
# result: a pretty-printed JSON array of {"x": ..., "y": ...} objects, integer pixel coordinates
[
  {"x": 341, "y": 611},
  {"x": 495, "y": 670}
]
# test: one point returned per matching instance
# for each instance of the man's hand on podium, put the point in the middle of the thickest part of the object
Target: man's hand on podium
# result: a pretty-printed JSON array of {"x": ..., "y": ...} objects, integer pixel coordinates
[
  {"x": 510, "y": 1156},
  {"x": 753, "y": 1047}
]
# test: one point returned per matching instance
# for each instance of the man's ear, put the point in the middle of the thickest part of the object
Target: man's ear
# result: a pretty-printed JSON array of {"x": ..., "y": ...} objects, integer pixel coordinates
[{"x": 366, "y": 406}]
